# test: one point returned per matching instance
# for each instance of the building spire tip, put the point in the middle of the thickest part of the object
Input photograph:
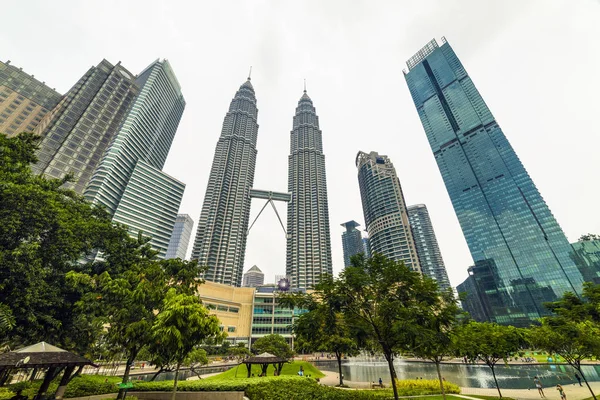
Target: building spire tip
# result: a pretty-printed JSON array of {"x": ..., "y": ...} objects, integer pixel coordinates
[
  {"x": 250, "y": 73},
  {"x": 304, "y": 85}
]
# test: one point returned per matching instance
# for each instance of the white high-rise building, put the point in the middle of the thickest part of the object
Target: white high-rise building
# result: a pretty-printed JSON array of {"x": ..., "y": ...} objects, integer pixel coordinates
[
  {"x": 308, "y": 235},
  {"x": 254, "y": 277},
  {"x": 222, "y": 229},
  {"x": 384, "y": 208}
]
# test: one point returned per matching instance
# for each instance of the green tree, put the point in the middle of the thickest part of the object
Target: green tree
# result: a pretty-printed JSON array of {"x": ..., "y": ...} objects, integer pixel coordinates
[
  {"x": 273, "y": 344},
  {"x": 435, "y": 328},
  {"x": 489, "y": 343},
  {"x": 322, "y": 327},
  {"x": 588, "y": 237},
  {"x": 126, "y": 300},
  {"x": 44, "y": 231},
  {"x": 381, "y": 301},
  {"x": 574, "y": 308},
  {"x": 181, "y": 325},
  {"x": 239, "y": 352},
  {"x": 573, "y": 341}
]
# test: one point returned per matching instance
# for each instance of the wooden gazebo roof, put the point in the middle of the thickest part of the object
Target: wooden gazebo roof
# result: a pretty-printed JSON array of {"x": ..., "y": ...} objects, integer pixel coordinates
[
  {"x": 264, "y": 358},
  {"x": 41, "y": 355}
]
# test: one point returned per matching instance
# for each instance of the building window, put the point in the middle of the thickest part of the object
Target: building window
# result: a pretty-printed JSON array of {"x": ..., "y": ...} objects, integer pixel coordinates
[{"x": 231, "y": 329}]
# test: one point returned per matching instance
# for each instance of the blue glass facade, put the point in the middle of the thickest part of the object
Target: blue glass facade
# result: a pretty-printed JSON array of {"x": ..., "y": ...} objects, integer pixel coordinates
[{"x": 511, "y": 233}]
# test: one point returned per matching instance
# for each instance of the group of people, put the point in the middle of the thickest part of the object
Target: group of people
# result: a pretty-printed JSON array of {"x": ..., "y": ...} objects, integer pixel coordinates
[{"x": 561, "y": 390}]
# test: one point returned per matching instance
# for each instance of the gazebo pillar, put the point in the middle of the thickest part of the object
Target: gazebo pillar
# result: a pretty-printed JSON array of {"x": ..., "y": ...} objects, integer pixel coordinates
[
  {"x": 62, "y": 386},
  {"x": 50, "y": 374}
]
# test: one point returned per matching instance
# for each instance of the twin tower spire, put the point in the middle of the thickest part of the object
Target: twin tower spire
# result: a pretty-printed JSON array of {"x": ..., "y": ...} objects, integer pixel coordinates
[{"x": 220, "y": 242}]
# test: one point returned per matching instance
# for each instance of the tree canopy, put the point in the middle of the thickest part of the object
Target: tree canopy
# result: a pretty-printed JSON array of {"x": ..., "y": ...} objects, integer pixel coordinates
[{"x": 273, "y": 344}]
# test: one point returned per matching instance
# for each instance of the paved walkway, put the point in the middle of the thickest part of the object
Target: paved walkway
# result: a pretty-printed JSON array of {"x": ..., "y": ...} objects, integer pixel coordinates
[{"x": 573, "y": 391}]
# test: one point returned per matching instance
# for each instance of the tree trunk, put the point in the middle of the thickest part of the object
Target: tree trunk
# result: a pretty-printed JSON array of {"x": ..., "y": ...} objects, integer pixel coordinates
[
  {"x": 156, "y": 374},
  {"x": 496, "y": 380},
  {"x": 338, "y": 356},
  {"x": 390, "y": 359},
  {"x": 121, "y": 394},
  {"x": 437, "y": 367},
  {"x": 175, "y": 381},
  {"x": 586, "y": 382}
]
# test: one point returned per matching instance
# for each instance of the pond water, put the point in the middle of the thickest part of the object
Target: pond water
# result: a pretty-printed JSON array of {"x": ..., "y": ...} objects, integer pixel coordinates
[{"x": 478, "y": 376}]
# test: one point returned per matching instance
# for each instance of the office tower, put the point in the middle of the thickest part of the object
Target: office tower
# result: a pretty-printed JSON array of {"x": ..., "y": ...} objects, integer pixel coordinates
[
  {"x": 512, "y": 235},
  {"x": 308, "y": 240},
  {"x": 128, "y": 181},
  {"x": 79, "y": 129},
  {"x": 472, "y": 303},
  {"x": 352, "y": 241},
  {"x": 384, "y": 209},
  {"x": 221, "y": 236},
  {"x": 253, "y": 278},
  {"x": 428, "y": 251},
  {"x": 24, "y": 100},
  {"x": 586, "y": 254},
  {"x": 180, "y": 239}
]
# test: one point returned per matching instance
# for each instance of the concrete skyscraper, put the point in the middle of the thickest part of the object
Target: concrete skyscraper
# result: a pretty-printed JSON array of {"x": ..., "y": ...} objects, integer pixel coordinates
[
  {"x": 79, "y": 129},
  {"x": 180, "y": 239},
  {"x": 352, "y": 241},
  {"x": 428, "y": 251},
  {"x": 254, "y": 277},
  {"x": 129, "y": 181},
  {"x": 520, "y": 252},
  {"x": 384, "y": 209},
  {"x": 222, "y": 229},
  {"x": 308, "y": 235},
  {"x": 24, "y": 100}
]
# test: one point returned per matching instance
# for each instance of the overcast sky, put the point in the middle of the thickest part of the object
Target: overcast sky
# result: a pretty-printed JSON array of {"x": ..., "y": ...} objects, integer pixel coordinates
[{"x": 535, "y": 62}]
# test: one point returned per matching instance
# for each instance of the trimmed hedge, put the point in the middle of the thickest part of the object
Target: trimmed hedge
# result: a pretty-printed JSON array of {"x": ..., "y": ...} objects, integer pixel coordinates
[
  {"x": 418, "y": 387},
  {"x": 267, "y": 388}
]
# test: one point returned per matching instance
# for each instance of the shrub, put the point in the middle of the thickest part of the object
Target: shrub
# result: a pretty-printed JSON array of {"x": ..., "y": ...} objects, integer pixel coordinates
[
  {"x": 417, "y": 387},
  {"x": 6, "y": 393}
]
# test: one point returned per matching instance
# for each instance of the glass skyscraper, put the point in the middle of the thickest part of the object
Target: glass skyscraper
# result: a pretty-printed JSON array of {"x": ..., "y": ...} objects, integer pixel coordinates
[
  {"x": 180, "y": 239},
  {"x": 352, "y": 241},
  {"x": 129, "y": 181},
  {"x": 83, "y": 124},
  {"x": 384, "y": 209},
  {"x": 308, "y": 235},
  {"x": 520, "y": 251},
  {"x": 430, "y": 256},
  {"x": 223, "y": 227}
]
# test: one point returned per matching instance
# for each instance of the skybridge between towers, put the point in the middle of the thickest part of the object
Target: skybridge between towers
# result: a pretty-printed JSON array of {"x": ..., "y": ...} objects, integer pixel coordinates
[{"x": 271, "y": 197}]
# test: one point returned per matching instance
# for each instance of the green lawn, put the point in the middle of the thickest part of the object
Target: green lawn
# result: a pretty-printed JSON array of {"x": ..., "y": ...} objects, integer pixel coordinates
[
  {"x": 477, "y": 396},
  {"x": 288, "y": 369}
]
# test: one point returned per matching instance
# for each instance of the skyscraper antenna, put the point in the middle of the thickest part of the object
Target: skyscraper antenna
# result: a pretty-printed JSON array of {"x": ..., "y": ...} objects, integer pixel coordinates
[
  {"x": 304, "y": 85},
  {"x": 250, "y": 73}
]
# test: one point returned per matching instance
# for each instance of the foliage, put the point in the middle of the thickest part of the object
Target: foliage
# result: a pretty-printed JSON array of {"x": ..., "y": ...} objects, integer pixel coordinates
[
  {"x": 80, "y": 386},
  {"x": 576, "y": 309},
  {"x": 417, "y": 387},
  {"x": 573, "y": 341},
  {"x": 383, "y": 301},
  {"x": 44, "y": 231},
  {"x": 434, "y": 330},
  {"x": 6, "y": 393},
  {"x": 323, "y": 327},
  {"x": 273, "y": 344},
  {"x": 182, "y": 324},
  {"x": 289, "y": 369},
  {"x": 488, "y": 342},
  {"x": 239, "y": 352},
  {"x": 126, "y": 291},
  {"x": 588, "y": 237}
]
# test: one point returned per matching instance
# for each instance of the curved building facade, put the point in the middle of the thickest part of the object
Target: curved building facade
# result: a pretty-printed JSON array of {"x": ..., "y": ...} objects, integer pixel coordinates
[
  {"x": 384, "y": 208},
  {"x": 308, "y": 240},
  {"x": 221, "y": 236}
]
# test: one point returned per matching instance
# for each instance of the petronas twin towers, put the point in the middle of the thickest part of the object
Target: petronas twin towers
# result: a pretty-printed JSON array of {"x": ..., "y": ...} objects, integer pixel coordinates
[{"x": 223, "y": 227}]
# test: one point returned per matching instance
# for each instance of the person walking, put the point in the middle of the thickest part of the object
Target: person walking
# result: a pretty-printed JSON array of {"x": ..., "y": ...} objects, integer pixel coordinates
[
  {"x": 560, "y": 389},
  {"x": 380, "y": 382},
  {"x": 538, "y": 385},
  {"x": 578, "y": 379}
]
